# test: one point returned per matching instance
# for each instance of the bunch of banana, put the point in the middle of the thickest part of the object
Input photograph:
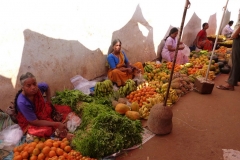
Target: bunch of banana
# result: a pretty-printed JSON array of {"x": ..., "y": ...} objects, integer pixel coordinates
[
  {"x": 148, "y": 68},
  {"x": 104, "y": 88},
  {"x": 164, "y": 87},
  {"x": 145, "y": 109},
  {"x": 172, "y": 97},
  {"x": 129, "y": 86}
]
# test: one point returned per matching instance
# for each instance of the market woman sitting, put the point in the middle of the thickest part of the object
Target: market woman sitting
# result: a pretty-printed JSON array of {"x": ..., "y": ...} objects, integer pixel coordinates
[
  {"x": 168, "y": 51},
  {"x": 34, "y": 114},
  {"x": 202, "y": 41},
  {"x": 120, "y": 70}
]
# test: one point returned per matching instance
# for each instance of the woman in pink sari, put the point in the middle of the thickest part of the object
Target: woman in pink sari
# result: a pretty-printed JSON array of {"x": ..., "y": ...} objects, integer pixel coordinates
[{"x": 170, "y": 46}]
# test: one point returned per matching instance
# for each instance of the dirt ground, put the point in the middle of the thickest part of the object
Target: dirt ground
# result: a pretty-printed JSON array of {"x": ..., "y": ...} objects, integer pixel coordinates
[{"x": 203, "y": 125}]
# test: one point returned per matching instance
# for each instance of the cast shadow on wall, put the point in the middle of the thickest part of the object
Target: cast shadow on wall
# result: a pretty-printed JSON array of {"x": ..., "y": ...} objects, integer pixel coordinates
[
  {"x": 56, "y": 61},
  {"x": 137, "y": 46}
]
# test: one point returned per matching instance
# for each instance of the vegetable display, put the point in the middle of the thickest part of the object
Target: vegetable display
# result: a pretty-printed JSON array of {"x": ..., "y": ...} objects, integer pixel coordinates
[{"x": 104, "y": 132}]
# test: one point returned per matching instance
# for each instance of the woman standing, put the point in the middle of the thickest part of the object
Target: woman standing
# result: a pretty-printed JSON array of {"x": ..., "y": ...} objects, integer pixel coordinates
[
  {"x": 120, "y": 70},
  {"x": 235, "y": 70},
  {"x": 170, "y": 46}
]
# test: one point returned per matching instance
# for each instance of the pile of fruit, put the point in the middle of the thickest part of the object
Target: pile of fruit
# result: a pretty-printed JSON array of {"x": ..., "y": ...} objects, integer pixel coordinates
[{"x": 47, "y": 150}]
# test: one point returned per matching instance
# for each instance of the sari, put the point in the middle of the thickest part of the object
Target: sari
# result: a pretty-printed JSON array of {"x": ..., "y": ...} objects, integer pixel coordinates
[
  {"x": 120, "y": 77},
  {"x": 203, "y": 41},
  {"x": 43, "y": 111}
]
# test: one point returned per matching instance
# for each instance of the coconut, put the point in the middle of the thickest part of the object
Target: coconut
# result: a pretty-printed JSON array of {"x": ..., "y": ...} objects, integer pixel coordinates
[
  {"x": 114, "y": 103},
  {"x": 122, "y": 100},
  {"x": 160, "y": 119}
]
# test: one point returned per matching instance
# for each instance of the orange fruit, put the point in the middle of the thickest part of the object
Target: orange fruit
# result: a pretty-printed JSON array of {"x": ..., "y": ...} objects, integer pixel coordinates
[
  {"x": 52, "y": 154},
  {"x": 33, "y": 157},
  {"x": 65, "y": 154},
  {"x": 33, "y": 144},
  {"x": 30, "y": 149},
  {"x": 55, "y": 144},
  {"x": 24, "y": 154},
  {"x": 15, "y": 149},
  {"x": 53, "y": 149},
  {"x": 63, "y": 145},
  {"x": 61, "y": 158},
  {"x": 67, "y": 149},
  {"x": 59, "y": 151},
  {"x": 18, "y": 157},
  {"x": 46, "y": 150},
  {"x": 41, "y": 156},
  {"x": 48, "y": 143},
  {"x": 19, "y": 148},
  {"x": 16, "y": 153},
  {"x": 40, "y": 145},
  {"x": 66, "y": 142},
  {"x": 36, "y": 151}
]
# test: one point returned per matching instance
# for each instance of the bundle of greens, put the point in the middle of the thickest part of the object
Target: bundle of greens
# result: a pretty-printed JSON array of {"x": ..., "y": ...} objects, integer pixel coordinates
[
  {"x": 104, "y": 132},
  {"x": 70, "y": 98}
]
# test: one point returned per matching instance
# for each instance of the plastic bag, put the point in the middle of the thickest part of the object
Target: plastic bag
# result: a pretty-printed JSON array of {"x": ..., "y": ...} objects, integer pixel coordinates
[
  {"x": 11, "y": 134},
  {"x": 73, "y": 122},
  {"x": 186, "y": 50},
  {"x": 82, "y": 84}
]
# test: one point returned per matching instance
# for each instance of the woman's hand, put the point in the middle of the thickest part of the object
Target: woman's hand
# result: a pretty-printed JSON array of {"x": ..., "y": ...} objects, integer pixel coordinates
[
  {"x": 61, "y": 126},
  {"x": 129, "y": 70}
]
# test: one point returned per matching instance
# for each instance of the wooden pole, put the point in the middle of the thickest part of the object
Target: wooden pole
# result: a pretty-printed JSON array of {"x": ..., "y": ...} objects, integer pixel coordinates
[
  {"x": 215, "y": 43},
  {"x": 187, "y": 5}
]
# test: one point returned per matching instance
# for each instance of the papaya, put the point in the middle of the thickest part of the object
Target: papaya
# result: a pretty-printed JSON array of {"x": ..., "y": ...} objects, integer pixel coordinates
[
  {"x": 121, "y": 108},
  {"x": 133, "y": 115},
  {"x": 134, "y": 106}
]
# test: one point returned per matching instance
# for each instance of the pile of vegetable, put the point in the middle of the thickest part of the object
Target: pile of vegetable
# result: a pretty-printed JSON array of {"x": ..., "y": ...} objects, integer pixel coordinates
[
  {"x": 104, "y": 132},
  {"x": 70, "y": 98}
]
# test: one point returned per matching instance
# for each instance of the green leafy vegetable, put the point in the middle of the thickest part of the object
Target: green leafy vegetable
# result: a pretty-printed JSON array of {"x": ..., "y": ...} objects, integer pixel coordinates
[
  {"x": 104, "y": 132},
  {"x": 70, "y": 98}
]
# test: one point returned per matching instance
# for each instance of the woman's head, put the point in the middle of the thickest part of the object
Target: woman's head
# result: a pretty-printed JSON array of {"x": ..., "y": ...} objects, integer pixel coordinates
[
  {"x": 205, "y": 26},
  {"x": 230, "y": 23},
  {"x": 29, "y": 83},
  {"x": 173, "y": 32},
  {"x": 116, "y": 45}
]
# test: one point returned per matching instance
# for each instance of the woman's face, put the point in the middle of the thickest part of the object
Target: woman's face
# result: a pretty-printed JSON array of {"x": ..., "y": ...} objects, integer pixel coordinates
[
  {"x": 174, "y": 35},
  {"x": 117, "y": 47},
  {"x": 30, "y": 87}
]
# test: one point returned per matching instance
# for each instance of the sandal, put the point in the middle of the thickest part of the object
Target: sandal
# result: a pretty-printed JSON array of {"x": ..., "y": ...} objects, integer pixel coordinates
[{"x": 225, "y": 88}]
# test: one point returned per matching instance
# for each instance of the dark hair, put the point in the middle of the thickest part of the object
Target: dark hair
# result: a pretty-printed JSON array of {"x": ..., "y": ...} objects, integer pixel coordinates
[
  {"x": 204, "y": 24},
  {"x": 230, "y": 22},
  {"x": 115, "y": 41},
  {"x": 173, "y": 30}
]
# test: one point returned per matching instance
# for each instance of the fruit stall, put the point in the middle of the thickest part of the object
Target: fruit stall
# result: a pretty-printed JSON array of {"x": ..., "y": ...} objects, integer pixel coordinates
[{"x": 111, "y": 117}]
